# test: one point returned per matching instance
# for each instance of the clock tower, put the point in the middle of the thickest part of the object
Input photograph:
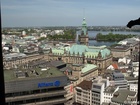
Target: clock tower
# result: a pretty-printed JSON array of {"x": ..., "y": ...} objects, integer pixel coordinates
[{"x": 83, "y": 38}]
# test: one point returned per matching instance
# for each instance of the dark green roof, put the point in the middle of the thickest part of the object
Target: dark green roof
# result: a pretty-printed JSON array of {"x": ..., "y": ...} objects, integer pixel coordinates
[{"x": 11, "y": 75}]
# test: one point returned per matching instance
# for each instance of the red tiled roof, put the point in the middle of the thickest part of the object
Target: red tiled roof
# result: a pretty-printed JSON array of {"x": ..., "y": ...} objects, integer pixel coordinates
[
  {"x": 115, "y": 66},
  {"x": 123, "y": 70}
]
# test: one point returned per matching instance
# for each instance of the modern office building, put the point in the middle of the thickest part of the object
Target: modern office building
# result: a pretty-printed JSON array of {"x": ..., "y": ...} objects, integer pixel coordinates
[
  {"x": 98, "y": 87},
  {"x": 35, "y": 86}
]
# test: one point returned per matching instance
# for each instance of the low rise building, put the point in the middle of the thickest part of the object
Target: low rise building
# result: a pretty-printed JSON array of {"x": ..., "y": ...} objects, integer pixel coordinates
[
  {"x": 109, "y": 92},
  {"x": 83, "y": 93},
  {"x": 120, "y": 51},
  {"x": 126, "y": 47}
]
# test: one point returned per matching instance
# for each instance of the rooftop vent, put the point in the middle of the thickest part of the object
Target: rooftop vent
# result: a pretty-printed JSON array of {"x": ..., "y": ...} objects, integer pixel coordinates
[
  {"x": 21, "y": 74},
  {"x": 34, "y": 72}
]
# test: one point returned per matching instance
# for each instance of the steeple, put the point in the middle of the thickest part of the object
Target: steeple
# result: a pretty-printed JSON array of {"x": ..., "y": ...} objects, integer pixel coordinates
[
  {"x": 84, "y": 27},
  {"x": 83, "y": 38}
]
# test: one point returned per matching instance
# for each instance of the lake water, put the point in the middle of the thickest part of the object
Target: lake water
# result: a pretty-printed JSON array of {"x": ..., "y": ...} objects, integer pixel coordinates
[{"x": 107, "y": 43}]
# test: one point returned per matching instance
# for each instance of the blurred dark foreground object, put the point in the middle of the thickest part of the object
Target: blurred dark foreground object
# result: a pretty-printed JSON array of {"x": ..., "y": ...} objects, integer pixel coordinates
[{"x": 133, "y": 22}]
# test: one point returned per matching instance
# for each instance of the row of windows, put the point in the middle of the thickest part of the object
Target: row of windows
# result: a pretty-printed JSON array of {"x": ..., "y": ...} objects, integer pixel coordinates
[
  {"x": 35, "y": 100},
  {"x": 96, "y": 95},
  {"x": 107, "y": 97},
  {"x": 78, "y": 98},
  {"x": 87, "y": 97},
  {"x": 95, "y": 103},
  {"x": 108, "y": 94},
  {"x": 86, "y": 100},
  {"x": 33, "y": 92},
  {"x": 84, "y": 96},
  {"x": 96, "y": 99},
  {"x": 134, "y": 90}
]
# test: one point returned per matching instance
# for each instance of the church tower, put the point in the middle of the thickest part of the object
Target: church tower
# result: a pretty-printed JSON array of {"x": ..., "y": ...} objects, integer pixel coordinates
[{"x": 83, "y": 38}]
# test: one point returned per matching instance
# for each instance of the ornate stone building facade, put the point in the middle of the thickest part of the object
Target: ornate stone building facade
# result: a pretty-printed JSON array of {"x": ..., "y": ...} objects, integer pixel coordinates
[{"x": 102, "y": 57}]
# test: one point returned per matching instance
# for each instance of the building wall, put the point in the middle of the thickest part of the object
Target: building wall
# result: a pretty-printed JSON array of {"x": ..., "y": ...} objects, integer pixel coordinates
[
  {"x": 20, "y": 61},
  {"x": 120, "y": 53},
  {"x": 98, "y": 89},
  {"x": 87, "y": 76},
  {"x": 70, "y": 91},
  {"x": 133, "y": 87},
  {"x": 83, "y": 39},
  {"x": 102, "y": 63},
  {"x": 32, "y": 84},
  {"x": 107, "y": 97},
  {"x": 83, "y": 96},
  {"x": 93, "y": 73},
  {"x": 30, "y": 91}
]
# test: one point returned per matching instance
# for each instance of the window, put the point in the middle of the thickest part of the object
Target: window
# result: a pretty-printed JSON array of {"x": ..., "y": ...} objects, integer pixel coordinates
[{"x": 96, "y": 86}]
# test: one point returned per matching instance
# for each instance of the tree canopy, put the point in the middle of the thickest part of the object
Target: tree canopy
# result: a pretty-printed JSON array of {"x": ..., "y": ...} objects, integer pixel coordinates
[{"x": 112, "y": 37}]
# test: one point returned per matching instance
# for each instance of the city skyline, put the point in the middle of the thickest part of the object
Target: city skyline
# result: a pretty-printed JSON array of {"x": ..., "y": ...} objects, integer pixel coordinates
[{"x": 17, "y": 13}]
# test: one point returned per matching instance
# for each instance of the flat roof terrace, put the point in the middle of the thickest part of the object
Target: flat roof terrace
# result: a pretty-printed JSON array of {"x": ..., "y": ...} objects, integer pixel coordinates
[{"x": 25, "y": 74}]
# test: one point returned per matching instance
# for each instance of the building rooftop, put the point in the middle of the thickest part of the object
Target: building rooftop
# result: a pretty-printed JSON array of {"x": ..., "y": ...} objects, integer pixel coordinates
[
  {"x": 110, "y": 89},
  {"x": 130, "y": 41},
  {"x": 57, "y": 63},
  {"x": 131, "y": 78},
  {"x": 78, "y": 65},
  {"x": 76, "y": 49},
  {"x": 121, "y": 95},
  {"x": 22, "y": 74},
  {"x": 67, "y": 68},
  {"x": 57, "y": 51},
  {"x": 99, "y": 81},
  {"x": 120, "y": 47},
  {"x": 115, "y": 65},
  {"x": 117, "y": 73},
  {"x": 86, "y": 85},
  {"x": 14, "y": 55},
  {"x": 88, "y": 67}
]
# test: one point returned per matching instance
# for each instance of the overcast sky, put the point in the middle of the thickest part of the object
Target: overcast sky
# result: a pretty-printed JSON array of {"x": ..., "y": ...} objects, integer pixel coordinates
[{"x": 68, "y": 12}]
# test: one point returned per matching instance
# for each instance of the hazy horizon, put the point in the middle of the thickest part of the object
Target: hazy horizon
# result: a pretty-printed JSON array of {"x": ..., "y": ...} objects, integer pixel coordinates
[{"x": 51, "y": 13}]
